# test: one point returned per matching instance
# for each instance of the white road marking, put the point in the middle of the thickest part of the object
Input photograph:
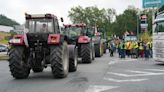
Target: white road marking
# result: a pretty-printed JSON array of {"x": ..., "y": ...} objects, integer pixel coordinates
[
  {"x": 128, "y": 80},
  {"x": 119, "y": 74},
  {"x": 112, "y": 62},
  {"x": 135, "y": 75},
  {"x": 99, "y": 88},
  {"x": 139, "y": 72},
  {"x": 157, "y": 70},
  {"x": 120, "y": 60}
]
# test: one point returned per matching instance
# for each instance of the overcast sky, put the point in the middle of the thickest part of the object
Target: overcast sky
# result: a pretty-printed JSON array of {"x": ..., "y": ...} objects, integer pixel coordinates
[{"x": 15, "y": 9}]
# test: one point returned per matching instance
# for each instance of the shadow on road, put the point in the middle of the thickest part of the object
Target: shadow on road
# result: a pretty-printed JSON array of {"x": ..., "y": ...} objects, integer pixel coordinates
[{"x": 160, "y": 64}]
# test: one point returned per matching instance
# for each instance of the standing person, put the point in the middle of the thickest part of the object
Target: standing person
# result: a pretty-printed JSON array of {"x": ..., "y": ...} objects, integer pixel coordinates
[
  {"x": 150, "y": 49},
  {"x": 132, "y": 53},
  {"x": 119, "y": 49},
  {"x": 112, "y": 47},
  {"x": 141, "y": 50},
  {"x": 122, "y": 49},
  {"x": 128, "y": 48},
  {"x": 136, "y": 49},
  {"x": 146, "y": 49}
]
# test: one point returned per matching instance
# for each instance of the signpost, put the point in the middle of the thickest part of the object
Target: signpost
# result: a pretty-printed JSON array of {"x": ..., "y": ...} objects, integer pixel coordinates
[{"x": 152, "y": 3}]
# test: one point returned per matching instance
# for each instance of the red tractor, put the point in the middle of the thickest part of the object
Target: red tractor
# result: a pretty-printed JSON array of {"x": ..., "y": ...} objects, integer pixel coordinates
[
  {"x": 40, "y": 45},
  {"x": 80, "y": 36}
]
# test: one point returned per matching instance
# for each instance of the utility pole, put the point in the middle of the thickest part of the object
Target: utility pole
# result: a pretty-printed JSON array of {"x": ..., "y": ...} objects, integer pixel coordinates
[{"x": 138, "y": 26}]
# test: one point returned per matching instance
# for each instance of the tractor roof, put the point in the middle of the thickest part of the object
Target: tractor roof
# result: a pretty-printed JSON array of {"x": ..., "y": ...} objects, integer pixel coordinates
[
  {"x": 40, "y": 16},
  {"x": 74, "y": 25}
]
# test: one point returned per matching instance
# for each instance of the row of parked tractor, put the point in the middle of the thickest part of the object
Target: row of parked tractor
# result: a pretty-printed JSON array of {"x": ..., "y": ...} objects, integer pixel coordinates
[{"x": 60, "y": 48}]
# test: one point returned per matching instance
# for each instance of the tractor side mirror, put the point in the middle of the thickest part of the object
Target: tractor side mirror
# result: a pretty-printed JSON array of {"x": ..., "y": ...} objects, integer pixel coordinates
[{"x": 62, "y": 20}]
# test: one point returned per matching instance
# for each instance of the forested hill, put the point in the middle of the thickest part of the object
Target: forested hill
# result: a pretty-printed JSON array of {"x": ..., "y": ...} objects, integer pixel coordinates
[{"x": 7, "y": 21}]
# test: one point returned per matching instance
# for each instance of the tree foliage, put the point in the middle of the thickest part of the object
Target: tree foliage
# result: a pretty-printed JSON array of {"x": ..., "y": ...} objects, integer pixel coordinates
[
  {"x": 91, "y": 15},
  {"x": 7, "y": 21},
  {"x": 107, "y": 18}
]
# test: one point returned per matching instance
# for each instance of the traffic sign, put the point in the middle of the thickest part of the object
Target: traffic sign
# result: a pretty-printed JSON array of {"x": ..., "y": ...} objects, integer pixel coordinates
[{"x": 152, "y": 3}]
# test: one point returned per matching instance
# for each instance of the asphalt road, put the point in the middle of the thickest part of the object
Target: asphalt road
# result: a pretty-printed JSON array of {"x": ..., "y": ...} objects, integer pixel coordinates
[{"x": 105, "y": 74}]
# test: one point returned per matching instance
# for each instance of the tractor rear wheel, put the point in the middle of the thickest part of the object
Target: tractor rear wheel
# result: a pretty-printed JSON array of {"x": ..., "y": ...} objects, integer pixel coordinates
[
  {"x": 17, "y": 63},
  {"x": 59, "y": 60},
  {"x": 93, "y": 52},
  {"x": 73, "y": 58},
  {"x": 98, "y": 50},
  {"x": 104, "y": 48},
  {"x": 86, "y": 53}
]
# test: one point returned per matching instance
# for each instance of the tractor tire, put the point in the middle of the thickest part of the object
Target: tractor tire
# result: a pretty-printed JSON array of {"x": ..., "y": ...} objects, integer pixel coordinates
[
  {"x": 105, "y": 48},
  {"x": 93, "y": 52},
  {"x": 86, "y": 53},
  {"x": 17, "y": 63},
  {"x": 37, "y": 70},
  {"x": 98, "y": 48},
  {"x": 73, "y": 58},
  {"x": 59, "y": 58}
]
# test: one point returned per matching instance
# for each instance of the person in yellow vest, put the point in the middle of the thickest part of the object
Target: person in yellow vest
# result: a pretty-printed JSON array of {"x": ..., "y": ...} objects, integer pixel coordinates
[
  {"x": 135, "y": 49},
  {"x": 128, "y": 48},
  {"x": 132, "y": 49}
]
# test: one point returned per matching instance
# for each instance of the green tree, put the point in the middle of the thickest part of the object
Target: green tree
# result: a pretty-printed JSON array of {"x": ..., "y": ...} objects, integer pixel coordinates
[
  {"x": 91, "y": 15},
  {"x": 125, "y": 22}
]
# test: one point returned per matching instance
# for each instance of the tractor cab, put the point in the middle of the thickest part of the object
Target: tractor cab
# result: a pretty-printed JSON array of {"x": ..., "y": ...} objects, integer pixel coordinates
[
  {"x": 73, "y": 31},
  {"x": 39, "y": 27},
  {"x": 42, "y": 23}
]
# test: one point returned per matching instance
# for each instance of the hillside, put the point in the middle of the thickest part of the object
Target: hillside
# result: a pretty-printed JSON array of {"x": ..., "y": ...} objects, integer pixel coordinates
[{"x": 7, "y": 21}]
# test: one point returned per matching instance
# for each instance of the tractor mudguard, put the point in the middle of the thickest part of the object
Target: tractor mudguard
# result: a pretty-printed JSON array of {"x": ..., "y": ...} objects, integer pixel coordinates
[
  {"x": 83, "y": 39},
  {"x": 17, "y": 40},
  {"x": 55, "y": 39}
]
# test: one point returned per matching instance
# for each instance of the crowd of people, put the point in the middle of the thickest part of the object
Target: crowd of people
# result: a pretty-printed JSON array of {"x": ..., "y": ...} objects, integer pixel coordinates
[{"x": 131, "y": 48}]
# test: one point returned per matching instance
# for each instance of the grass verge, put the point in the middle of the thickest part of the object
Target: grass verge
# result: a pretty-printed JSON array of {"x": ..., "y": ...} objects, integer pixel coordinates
[{"x": 4, "y": 57}]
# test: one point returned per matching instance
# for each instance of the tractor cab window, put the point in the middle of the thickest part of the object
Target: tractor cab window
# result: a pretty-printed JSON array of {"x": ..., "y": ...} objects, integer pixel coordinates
[
  {"x": 72, "y": 31},
  {"x": 40, "y": 25},
  {"x": 90, "y": 32}
]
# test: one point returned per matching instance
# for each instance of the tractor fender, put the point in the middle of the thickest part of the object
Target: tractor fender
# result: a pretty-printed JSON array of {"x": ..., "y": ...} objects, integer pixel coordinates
[
  {"x": 56, "y": 39},
  {"x": 71, "y": 49},
  {"x": 17, "y": 40},
  {"x": 84, "y": 39}
]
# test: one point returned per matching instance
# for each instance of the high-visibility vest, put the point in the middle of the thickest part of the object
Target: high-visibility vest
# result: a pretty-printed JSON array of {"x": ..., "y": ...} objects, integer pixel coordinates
[
  {"x": 131, "y": 45},
  {"x": 135, "y": 45},
  {"x": 141, "y": 47},
  {"x": 151, "y": 44},
  {"x": 121, "y": 45},
  {"x": 128, "y": 45}
]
